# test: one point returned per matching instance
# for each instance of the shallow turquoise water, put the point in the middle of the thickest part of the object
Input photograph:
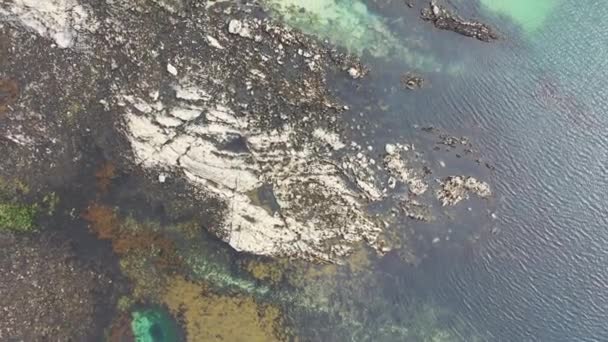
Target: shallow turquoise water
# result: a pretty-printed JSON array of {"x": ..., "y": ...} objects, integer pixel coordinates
[{"x": 530, "y": 15}]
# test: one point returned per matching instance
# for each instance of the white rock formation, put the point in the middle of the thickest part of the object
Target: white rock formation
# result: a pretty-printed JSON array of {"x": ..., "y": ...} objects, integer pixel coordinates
[
  {"x": 396, "y": 164},
  {"x": 316, "y": 205},
  {"x": 60, "y": 20}
]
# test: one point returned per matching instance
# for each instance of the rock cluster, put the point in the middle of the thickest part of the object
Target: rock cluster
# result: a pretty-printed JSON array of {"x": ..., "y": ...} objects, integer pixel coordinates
[
  {"x": 457, "y": 188},
  {"x": 445, "y": 19}
]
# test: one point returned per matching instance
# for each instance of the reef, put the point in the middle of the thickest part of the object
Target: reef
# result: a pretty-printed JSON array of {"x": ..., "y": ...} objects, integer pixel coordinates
[
  {"x": 445, "y": 19},
  {"x": 352, "y": 298}
]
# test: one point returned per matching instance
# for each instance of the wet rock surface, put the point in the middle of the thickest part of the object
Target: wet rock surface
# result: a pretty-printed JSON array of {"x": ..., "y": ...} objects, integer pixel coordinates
[
  {"x": 446, "y": 19},
  {"x": 457, "y": 188}
]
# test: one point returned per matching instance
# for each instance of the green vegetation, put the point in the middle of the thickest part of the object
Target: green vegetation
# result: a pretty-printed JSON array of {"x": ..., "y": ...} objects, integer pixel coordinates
[
  {"x": 18, "y": 218},
  {"x": 153, "y": 325}
]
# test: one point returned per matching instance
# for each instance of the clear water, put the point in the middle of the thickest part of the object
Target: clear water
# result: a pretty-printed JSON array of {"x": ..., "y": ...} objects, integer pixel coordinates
[
  {"x": 531, "y": 15},
  {"x": 536, "y": 104}
]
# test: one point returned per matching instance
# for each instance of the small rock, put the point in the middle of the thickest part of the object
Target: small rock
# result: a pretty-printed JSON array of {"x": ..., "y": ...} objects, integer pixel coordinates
[
  {"x": 162, "y": 178},
  {"x": 214, "y": 43},
  {"x": 235, "y": 26},
  {"x": 390, "y": 148},
  {"x": 171, "y": 69},
  {"x": 435, "y": 10},
  {"x": 354, "y": 72}
]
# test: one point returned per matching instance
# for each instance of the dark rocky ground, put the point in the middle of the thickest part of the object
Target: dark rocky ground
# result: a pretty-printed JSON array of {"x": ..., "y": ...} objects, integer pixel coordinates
[{"x": 47, "y": 294}]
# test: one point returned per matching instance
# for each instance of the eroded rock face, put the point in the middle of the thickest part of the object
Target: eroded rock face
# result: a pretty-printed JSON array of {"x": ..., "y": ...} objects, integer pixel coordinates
[{"x": 282, "y": 199}]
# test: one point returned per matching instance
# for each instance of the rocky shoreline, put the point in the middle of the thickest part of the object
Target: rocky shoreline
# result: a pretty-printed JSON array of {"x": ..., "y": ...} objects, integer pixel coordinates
[{"x": 227, "y": 113}]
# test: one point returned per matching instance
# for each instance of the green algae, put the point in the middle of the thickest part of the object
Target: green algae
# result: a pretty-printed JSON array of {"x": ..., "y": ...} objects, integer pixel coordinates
[
  {"x": 17, "y": 217},
  {"x": 209, "y": 316},
  {"x": 153, "y": 325},
  {"x": 530, "y": 15},
  {"x": 220, "y": 276},
  {"x": 351, "y": 25}
]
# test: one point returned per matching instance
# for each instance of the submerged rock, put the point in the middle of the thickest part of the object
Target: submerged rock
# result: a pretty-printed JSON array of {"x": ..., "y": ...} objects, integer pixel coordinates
[
  {"x": 457, "y": 188},
  {"x": 411, "y": 81},
  {"x": 445, "y": 19},
  {"x": 60, "y": 20}
]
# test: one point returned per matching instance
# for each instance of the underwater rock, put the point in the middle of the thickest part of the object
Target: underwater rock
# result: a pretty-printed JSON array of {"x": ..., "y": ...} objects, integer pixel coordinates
[
  {"x": 457, "y": 188},
  {"x": 416, "y": 210},
  {"x": 445, "y": 19},
  {"x": 210, "y": 317},
  {"x": 411, "y": 81}
]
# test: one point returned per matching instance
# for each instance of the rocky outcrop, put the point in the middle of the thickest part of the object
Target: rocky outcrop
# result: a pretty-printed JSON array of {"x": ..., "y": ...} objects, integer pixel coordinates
[
  {"x": 238, "y": 107},
  {"x": 457, "y": 188},
  {"x": 445, "y": 19}
]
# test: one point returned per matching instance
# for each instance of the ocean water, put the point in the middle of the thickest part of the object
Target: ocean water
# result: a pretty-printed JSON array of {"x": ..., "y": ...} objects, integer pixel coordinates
[
  {"x": 536, "y": 104},
  {"x": 530, "y": 15}
]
